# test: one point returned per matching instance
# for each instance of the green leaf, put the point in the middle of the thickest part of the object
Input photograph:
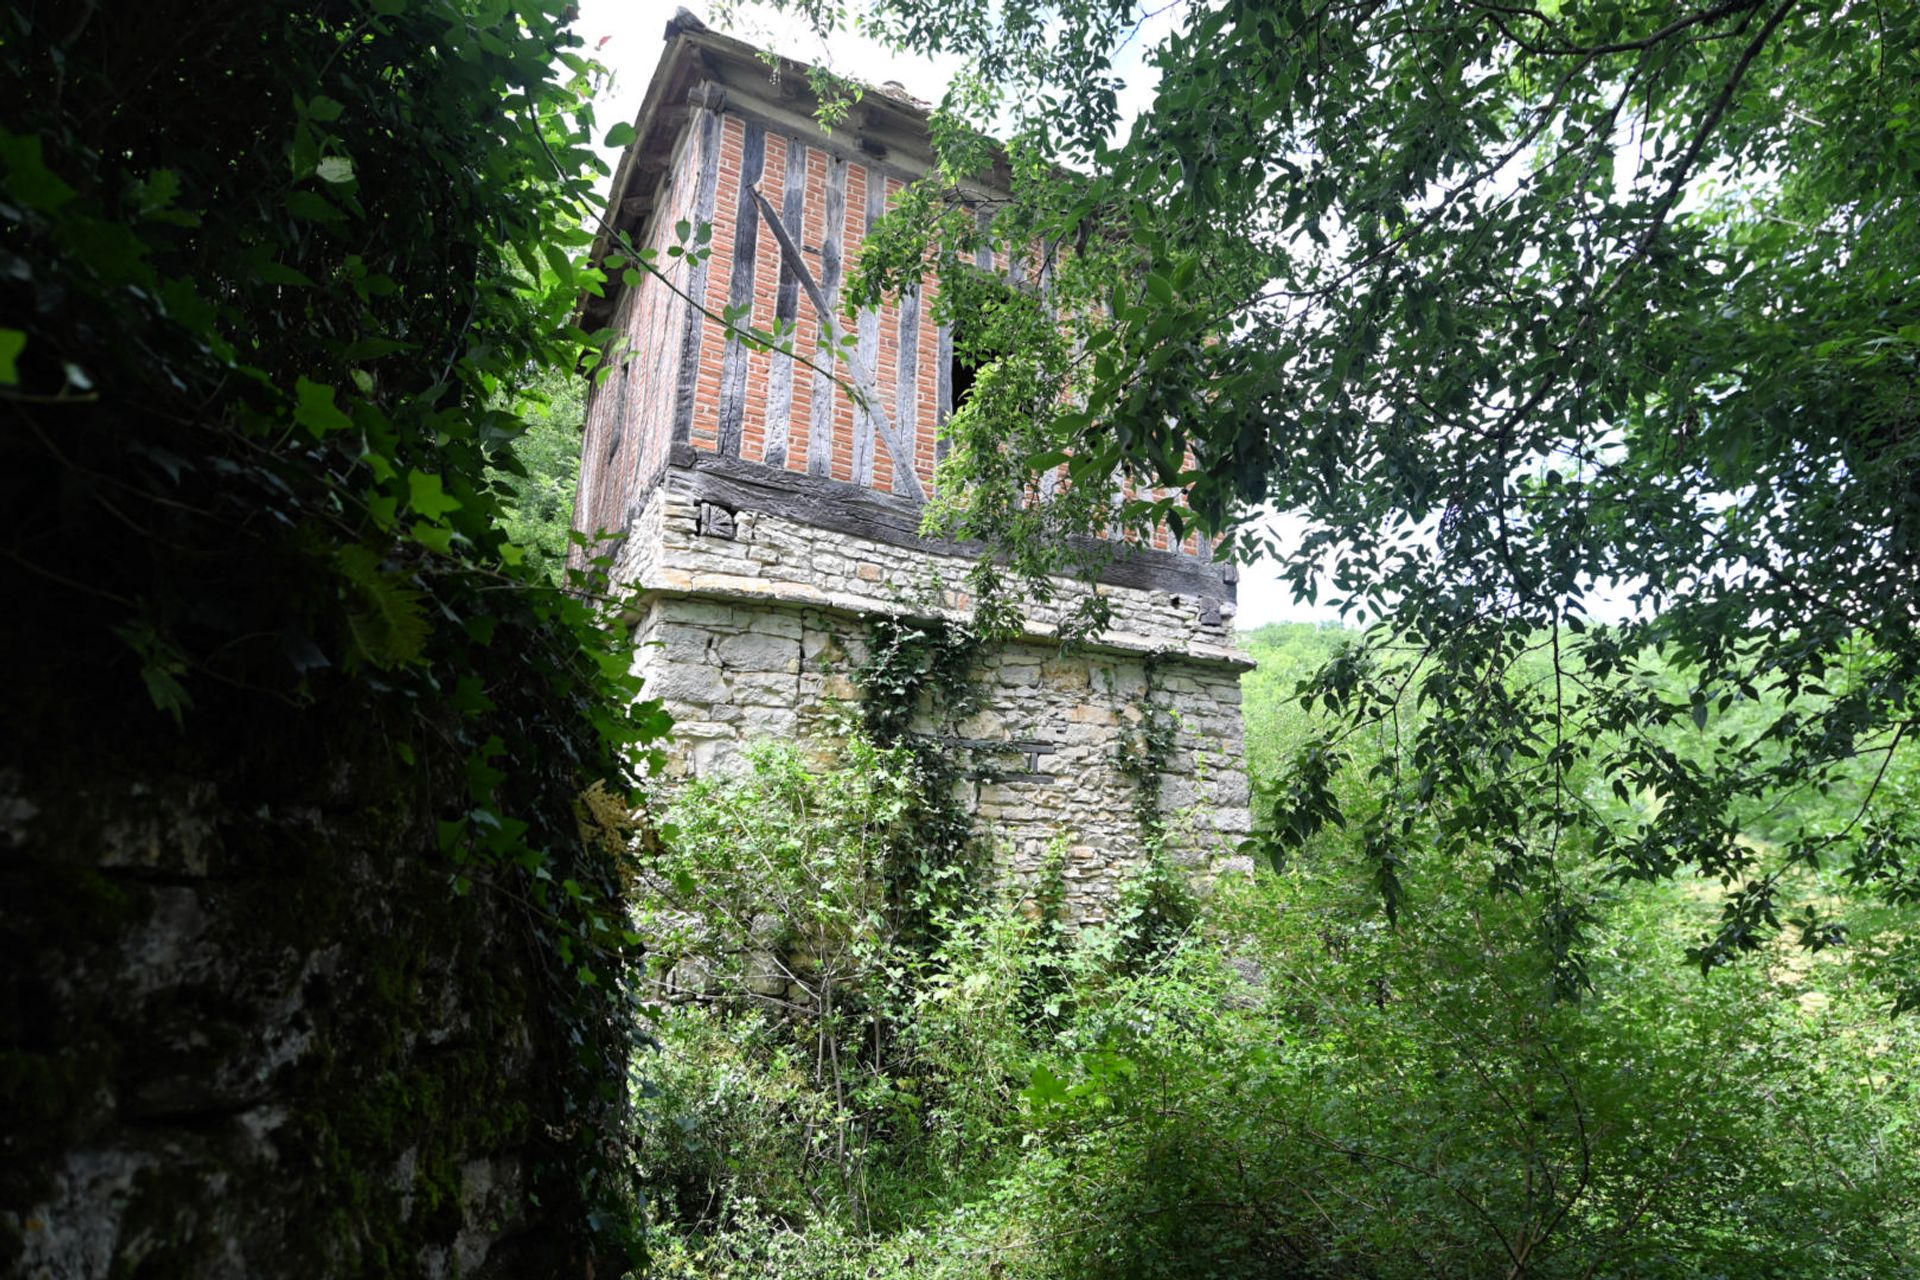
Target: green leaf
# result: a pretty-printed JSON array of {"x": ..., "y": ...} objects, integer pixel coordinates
[
  {"x": 620, "y": 135},
  {"x": 324, "y": 109},
  {"x": 161, "y": 666},
  {"x": 312, "y": 207},
  {"x": 1045, "y": 1088},
  {"x": 427, "y": 497},
  {"x": 387, "y": 616},
  {"x": 279, "y": 273},
  {"x": 315, "y": 409},
  {"x": 12, "y": 343},
  {"x": 375, "y": 348},
  {"x": 28, "y": 179},
  {"x": 434, "y": 537}
]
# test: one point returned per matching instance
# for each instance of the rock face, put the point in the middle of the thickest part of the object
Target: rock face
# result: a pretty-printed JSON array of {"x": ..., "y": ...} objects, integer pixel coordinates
[
  {"x": 754, "y": 634},
  {"x": 249, "y": 1031}
]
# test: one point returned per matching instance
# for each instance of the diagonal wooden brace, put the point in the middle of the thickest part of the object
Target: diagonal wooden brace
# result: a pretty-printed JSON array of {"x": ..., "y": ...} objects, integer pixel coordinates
[{"x": 862, "y": 378}]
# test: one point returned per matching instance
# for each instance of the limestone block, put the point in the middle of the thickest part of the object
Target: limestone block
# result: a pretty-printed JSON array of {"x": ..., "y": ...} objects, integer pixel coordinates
[
  {"x": 1065, "y": 674},
  {"x": 778, "y": 722},
  {"x": 760, "y": 651},
  {"x": 760, "y": 689},
  {"x": 704, "y": 613},
  {"x": 840, "y": 687},
  {"x": 682, "y": 644},
  {"x": 766, "y": 976},
  {"x": 772, "y": 622},
  {"x": 688, "y": 683}
]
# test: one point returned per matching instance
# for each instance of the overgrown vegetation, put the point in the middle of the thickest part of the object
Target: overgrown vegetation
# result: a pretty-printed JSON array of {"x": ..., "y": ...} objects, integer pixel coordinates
[
  {"x": 1285, "y": 1083},
  {"x": 266, "y": 269},
  {"x": 1523, "y": 315}
]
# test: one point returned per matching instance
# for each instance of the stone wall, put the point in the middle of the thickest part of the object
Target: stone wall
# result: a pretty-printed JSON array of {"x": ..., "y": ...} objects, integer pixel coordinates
[
  {"x": 677, "y": 543},
  {"x": 753, "y": 630},
  {"x": 246, "y": 1029}
]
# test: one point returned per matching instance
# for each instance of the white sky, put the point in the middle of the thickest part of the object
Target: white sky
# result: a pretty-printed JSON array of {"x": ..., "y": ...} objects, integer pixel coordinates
[{"x": 627, "y": 36}]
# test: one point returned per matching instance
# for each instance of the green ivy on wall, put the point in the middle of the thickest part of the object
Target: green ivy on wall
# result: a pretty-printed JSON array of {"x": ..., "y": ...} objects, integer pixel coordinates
[{"x": 925, "y": 667}]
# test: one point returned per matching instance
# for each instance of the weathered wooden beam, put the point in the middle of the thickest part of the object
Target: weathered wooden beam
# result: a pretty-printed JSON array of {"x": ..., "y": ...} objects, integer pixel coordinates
[
  {"x": 893, "y": 520},
  {"x": 746, "y": 245},
  {"x": 706, "y": 190},
  {"x": 866, "y": 353},
  {"x": 906, "y": 413},
  {"x": 826, "y": 297},
  {"x": 786, "y": 305},
  {"x": 943, "y": 392}
]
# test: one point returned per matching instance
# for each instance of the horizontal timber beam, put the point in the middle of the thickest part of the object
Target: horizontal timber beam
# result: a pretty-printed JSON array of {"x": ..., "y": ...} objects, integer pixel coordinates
[{"x": 742, "y": 485}]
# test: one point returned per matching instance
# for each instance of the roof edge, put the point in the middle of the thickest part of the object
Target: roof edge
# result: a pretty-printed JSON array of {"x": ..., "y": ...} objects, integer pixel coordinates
[{"x": 882, "y": 130}]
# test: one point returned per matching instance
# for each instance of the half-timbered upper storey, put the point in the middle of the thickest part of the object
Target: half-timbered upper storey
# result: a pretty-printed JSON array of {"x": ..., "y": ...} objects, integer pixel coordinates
[{"x": 728, "y": 140}]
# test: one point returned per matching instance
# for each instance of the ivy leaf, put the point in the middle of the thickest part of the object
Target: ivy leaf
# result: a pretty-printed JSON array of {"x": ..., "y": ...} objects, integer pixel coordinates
[
  {"x": 387, "y": 620},
  {"x": 161, "y": 666},
  {"x": 427, "y": 496},
  {"x": 1045, "y": 1089},
  {"x": 434, "y": 537},
  {"x": 12, "y": 343},
  {"x": 316, "y": 410}
]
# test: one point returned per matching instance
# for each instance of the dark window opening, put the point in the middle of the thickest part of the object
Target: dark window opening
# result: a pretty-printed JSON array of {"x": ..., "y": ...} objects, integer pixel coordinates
[
  {"x": 979, "y": 295},
  {"x": 960, "y": 376}
]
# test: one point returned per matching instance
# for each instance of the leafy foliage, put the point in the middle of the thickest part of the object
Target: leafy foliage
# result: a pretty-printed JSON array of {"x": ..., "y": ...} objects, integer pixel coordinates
[
  {"x": 259, "y": 257},
  {"x": 1530, "y": 317},
  {"x": 806, "y": 1062},
  {"x": 1277, "y": 1084},
  {"x": 917, "y": 683},
  {"x": 537, "y": 502}
]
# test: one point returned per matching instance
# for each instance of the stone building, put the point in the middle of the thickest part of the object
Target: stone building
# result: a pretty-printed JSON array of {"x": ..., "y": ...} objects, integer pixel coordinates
[{"x": 765, "y": 516}]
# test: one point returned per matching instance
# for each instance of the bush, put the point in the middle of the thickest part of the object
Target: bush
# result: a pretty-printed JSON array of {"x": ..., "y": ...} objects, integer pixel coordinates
[{"x": 1268, "y": 1082}]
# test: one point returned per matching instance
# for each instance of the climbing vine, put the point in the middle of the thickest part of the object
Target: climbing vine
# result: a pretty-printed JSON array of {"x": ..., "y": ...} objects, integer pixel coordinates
[
  {"x": 1144, "y": 754},
  {"x": 925, "y": 667}
]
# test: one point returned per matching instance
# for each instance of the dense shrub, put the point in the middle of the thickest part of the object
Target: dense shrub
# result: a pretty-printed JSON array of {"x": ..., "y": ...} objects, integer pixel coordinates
[{"x": 1271, "y": 1080}]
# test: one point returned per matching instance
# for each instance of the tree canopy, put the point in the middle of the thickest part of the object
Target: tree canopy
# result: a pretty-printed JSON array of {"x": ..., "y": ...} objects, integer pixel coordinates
[{"x": 1578, "y": 340}]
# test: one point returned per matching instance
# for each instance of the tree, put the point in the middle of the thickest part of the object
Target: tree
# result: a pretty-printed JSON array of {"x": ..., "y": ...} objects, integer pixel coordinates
[
  {"x": 265, "y": 267},
  {"x": 538, "y": 492},
  {"x": 1577, "y": 330}
]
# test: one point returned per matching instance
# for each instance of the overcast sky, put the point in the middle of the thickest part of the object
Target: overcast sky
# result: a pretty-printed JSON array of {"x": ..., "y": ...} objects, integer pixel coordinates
[{"x": 627, "y": 36}]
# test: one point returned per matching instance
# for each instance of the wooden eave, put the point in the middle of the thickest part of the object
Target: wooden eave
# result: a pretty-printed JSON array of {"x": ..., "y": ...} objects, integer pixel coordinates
[{"x": 881, "y": 131}]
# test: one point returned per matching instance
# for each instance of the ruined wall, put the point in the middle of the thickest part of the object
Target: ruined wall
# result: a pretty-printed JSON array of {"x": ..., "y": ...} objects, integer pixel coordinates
[
  {"x": 246, "y": 1030},
  {"x": 751, "y": 630}
]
